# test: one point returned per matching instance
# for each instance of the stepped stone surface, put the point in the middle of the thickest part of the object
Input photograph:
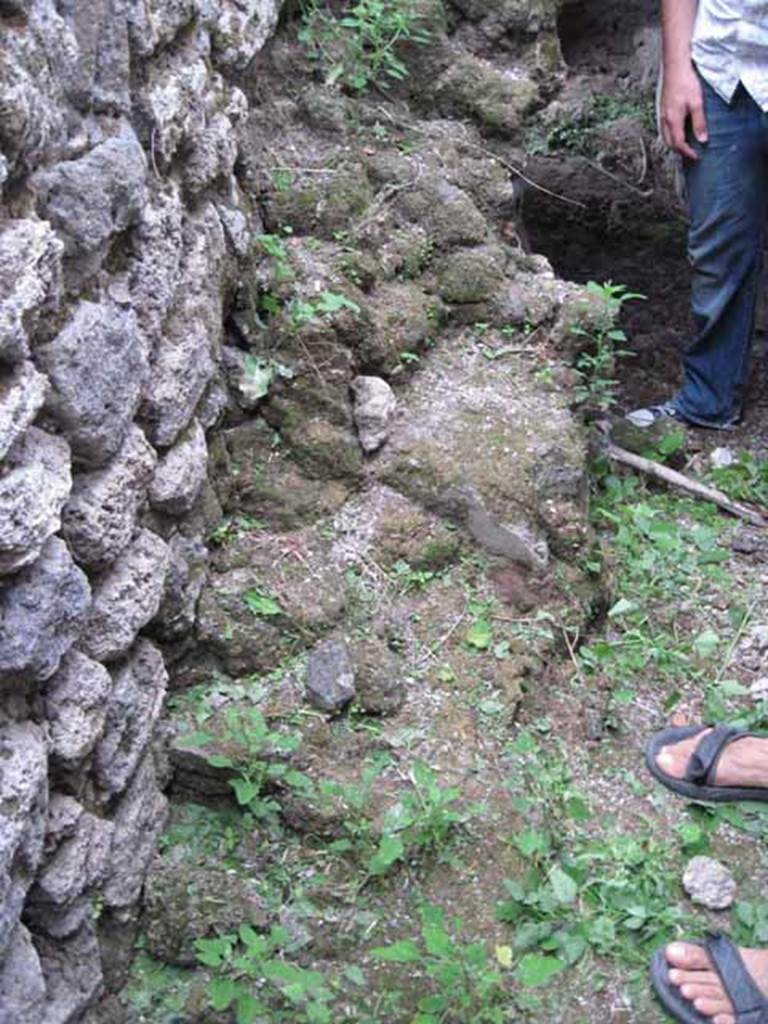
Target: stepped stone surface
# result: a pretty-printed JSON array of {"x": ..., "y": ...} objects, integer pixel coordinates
[{"x": 484, "y": 446}]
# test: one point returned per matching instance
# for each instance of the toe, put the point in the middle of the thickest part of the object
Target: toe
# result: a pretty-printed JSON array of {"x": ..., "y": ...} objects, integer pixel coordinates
[
  {"x": 680, "y": 977},
  {"x": 711, "y": 1007},
  {"x": 724, "y": 1018},
  {"x": 694, "y": 991},
  {"x": 688, "y": 956}
]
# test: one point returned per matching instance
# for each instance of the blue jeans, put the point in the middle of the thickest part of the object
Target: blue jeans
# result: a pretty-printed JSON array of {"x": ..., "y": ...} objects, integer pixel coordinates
[{"x": 728, "y": 205}]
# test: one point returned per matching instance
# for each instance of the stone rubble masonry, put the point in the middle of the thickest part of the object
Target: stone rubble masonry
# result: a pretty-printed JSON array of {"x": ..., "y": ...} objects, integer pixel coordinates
[{"x": 121, "y": 229}]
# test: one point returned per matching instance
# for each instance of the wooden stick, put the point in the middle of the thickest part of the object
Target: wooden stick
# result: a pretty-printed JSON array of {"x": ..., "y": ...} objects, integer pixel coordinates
[{"x": 685, "y": 483}]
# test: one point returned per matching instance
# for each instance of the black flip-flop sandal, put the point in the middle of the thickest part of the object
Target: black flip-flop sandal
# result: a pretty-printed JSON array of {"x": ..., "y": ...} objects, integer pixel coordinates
[
  {"x": 750, "y": 1005},
  {"x": 698, "y": 783}
]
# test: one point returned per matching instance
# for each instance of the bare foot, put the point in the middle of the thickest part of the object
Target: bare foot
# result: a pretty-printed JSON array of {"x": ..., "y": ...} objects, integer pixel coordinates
[
  {"x": 744, "y": 762},
  {"x": 692, "y": 972}
]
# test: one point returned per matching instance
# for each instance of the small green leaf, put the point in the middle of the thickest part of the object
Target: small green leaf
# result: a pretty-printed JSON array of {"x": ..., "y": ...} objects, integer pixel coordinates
[
  {"x": 480, "y": 635},
  {"x": 261, "y": 603},
  {"x": 195, "y": 739},
  {"x": 403, "y": 952},
  {"x": 534, "y": 969},
  {"x": 563, "y": 886},
  {"x": 390, "y": 849},
  {"x": 222, "y": 992}
]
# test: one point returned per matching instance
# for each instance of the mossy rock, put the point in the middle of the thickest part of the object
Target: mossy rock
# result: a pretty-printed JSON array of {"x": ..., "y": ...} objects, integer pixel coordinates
[
  {"x": 254, "y": 476},
  {"x": 498, "y": 100},
  {"x": 402, "y": 322},
  {"x": 406, "y": 533},
  {"x": 445, "y": 212},
  {"x": 183, "y": 903},
  {"x": 470, "y": 275},
  {"x": 323, "y": 450},
  {"x": 320, "y": 204}
]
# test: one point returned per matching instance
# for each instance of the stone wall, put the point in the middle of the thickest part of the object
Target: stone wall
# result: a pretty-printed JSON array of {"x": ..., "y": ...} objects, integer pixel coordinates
[{"x": 121, "y": 229}]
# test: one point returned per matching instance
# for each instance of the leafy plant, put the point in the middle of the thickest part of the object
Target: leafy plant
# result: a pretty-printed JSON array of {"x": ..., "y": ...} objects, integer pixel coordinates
[
  {"x": 466, "y": 985},
  {"x": 595, "y": 364},
  {"x": 360, "y": 48},
  {"x": 578, "y": 133},
  {"x": 302, "y": 311},
  {"x": 253, "y": 976},
  {"x": 247, "y": 731}
]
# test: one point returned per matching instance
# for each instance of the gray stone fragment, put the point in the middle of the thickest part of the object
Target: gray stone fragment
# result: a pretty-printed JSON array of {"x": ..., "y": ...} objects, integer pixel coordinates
[
  {"x": 212, "y": 154},
  {"x": 72, "y": 969},
  {"x": 76, "y": 708},
  {"x": 33, "y": 490},
  {"x": 241, "y": 29},
  {"x": 133, "y": 708},
  {"x": 23, "y": 811},
  {"x": 90, "y": 199},
  {"x": 100, "y": 79},
  {"x": 330, "y": 682},
  {"x": 126, "y": 597},
  {"x": 379, "y": 684},
  {"x": 183, "y": 583},
  {"x": 22, "y": 986},
  {"x": 375, "y": 405},
  {"x": 156, "y": 265},
  {"x": 30, "y": 257},
  {"x": 42, "y": 609},
  {"x": 78, "y": 862},
  {"x": 709, "y": 883},
  {"x": 97, "y": 366},
  {"x": 139, "y": 820},
  {"x": 100, "y": 517},
  {"x": 22, "y": 393},
  {"x": 180, "y": 473}
]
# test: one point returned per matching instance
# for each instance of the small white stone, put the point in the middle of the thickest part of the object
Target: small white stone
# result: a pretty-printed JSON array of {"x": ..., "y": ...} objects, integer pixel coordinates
[
  {"x": 719, "y": 458},
  {"x": 709, "y": 883},
  {"x": 759, "y": 689}
]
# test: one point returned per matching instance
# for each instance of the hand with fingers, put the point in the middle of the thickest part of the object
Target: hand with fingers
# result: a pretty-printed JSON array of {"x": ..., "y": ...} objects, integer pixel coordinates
[{"x": 682, "y": 98}]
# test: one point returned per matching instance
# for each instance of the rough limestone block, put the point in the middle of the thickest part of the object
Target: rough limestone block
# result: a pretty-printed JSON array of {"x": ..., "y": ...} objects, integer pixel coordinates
[
  {"x": 375, "y": 405},
  {"x": 330, "y": 683},
  {"x": 183, "y": 582},
  {"x": 139, "y": 820},
  {"x": 100, "y": 517},
  {"x": 97, "y": 366},
  {"x": 126, "y": 597},
  {"x": 30, "y": 257},
  {"x": 90, "y": 199},
  {"x": 42, "y": 610},
  {"x": 23, "y": 811},
  {"x": 22, "y": 393},
  {"x": 22, "y": 985},
  {"x": 76, "y": 707},
  {"x": 36, "y": 484},
  {"x": 139, "y": 686},
  {"x": 180, "y": 473},
  {"x": 241, "y": 30},
  {"x": 157, "y": 247},
  {"x": 78, "y": 863},
  {"x": 212, "y": 156},
  {"x": 72, "y": 970}
]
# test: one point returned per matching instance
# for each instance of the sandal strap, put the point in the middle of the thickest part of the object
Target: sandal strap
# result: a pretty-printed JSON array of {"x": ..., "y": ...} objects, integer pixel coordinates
[
  {"x": 702, "y": 765},
  {"x": 748, "y": 1001}
]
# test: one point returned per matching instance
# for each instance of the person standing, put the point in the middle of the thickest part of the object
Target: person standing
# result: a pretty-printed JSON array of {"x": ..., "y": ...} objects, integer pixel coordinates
[{"x": 714, "y": 113}]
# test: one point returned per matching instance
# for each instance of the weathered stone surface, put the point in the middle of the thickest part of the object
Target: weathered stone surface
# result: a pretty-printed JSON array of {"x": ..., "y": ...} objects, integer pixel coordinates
[
  {"x": 212, "y": 154},
  {"x": 401, "y": 323},
  {"x": 30, "y": 255},
  {"x": 126, "y": 597},
  {"x": 133, "y": 708},
  {"x": 511, "y": 479},
  {"x": 73, "y": 976},
  {"x": 379, "y": 684},
  {"x": 78, "y": 862},
  {"x": 445, "y": 212},
  {"x": 90, "y": 199},
  {"x": 23, "y": 810},
  {"x": 470, "y": 275},
  {"x": 22, "y": 986},
  {"x": 709, "y": 883},
  {"x": 139, "y": 820},
  {"x": 182, "y": 903},
  {"x": 330, "y": 682},
  {"x": 267, "y": 596},
  {"x": 100, "y": 517},
  {"x": 97, "y": 366},
  {"x": 100, "y": 77},
  {"x": 33, "y": 490},
  {"x": 42, "y": 609},
  {"x": 375, "y": 405},
  {"x": 76, "y": 707},
  {"x": 498, "y": 99},
  {"x": 157, "y": 253},
  {"x": 241, "y": 29},
  {"x": 184, "y": 580},
  {"x": 22, "y": 393},
  {"x": 180, "y": 473},
  {"x": 183, "y": 362}
]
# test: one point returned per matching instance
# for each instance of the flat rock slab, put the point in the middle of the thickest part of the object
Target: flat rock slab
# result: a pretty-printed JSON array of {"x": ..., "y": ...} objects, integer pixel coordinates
[{"x": 484, "y": 444}]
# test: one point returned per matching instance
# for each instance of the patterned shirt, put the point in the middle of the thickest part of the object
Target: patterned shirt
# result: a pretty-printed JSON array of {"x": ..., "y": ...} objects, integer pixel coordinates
[{"x": 730, "y": 45}]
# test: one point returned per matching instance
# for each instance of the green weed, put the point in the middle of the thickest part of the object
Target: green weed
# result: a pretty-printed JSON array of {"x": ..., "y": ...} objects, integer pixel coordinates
[{"x": 596, "y": 363}]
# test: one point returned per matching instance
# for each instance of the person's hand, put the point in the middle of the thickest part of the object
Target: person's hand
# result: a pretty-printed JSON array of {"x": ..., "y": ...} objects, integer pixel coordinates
[{"x": 682, "y": 97}]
